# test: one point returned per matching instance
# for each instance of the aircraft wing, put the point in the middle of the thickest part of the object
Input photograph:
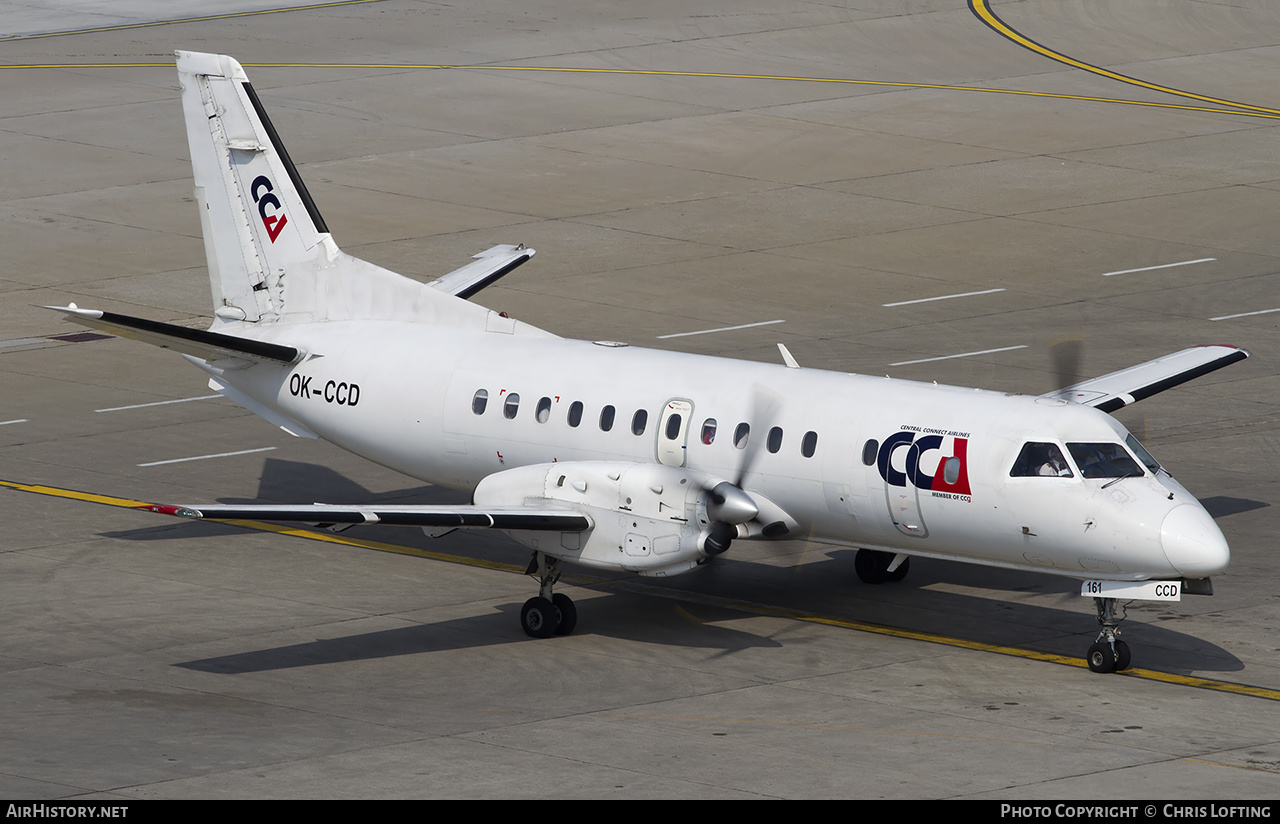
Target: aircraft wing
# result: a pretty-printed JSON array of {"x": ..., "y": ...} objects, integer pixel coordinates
[
  {"x": 426, "y": 516},
  {"x": 1119, "y": 389},
  {"x": 489, "y": 265},
  {"x": 195, "y": 342}
]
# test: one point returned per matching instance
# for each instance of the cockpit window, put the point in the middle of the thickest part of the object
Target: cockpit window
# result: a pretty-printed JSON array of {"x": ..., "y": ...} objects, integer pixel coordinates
[
  {"x": 1143, "y": 455},
  {"x": 1040, "y": 459},
  {"x": 1103, "y": 460}
]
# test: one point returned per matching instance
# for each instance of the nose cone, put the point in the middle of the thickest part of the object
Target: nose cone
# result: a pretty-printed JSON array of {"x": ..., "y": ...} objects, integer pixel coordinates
[{"x": 1193, "y": 543}]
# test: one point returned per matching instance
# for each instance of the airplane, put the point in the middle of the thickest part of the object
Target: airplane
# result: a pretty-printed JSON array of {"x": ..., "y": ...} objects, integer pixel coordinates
[{"x": 616, "y": 457}]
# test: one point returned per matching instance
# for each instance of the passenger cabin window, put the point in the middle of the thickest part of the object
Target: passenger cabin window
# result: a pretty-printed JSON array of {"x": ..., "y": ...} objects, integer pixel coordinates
[
  {"x": 639, "y": 421},
  {"x": 1103, "y": 460},
  {"x": 869, "y": 451},
  {"x": 512, "y": 406},
  {"x": 543, "y": 411},
  {"x": 606, "y": 418},
  {"x": 575, "y": 413},
  {"x": 775, "y": 439},
  {"x": 951, "y": 470},
  {"x": 809, "y": 444},
  {"x": 673, "y": 426},
  {"x": 708, "y": 431},
  {"x": 1043, "y": 459},
  {"x": 480, "y": 401},
  {"x": 741, "y": 435}
]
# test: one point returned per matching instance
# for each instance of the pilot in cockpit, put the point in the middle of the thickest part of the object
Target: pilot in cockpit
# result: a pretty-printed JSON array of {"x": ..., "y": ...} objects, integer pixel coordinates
[{"x": 1041, "y": 459}]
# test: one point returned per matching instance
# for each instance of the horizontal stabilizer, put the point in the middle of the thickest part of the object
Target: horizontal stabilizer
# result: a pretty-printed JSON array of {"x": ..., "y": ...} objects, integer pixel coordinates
[
  {"x": 490, "y": 265},
  {"x": 1119, "y": 389},
  {"x": 451, "y": 517},
  {"x": 195, "y": 342}
]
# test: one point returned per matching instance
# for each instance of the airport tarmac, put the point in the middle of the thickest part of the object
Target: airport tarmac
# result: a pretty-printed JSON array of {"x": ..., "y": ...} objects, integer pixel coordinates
[{"x": 809, "y": 172}]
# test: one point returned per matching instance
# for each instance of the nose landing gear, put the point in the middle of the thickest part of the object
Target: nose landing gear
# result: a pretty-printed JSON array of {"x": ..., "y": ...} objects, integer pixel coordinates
[{"x": 1108, "y": 653}]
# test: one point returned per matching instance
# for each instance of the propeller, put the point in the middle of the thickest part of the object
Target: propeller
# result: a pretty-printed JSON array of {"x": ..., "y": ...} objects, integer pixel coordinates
[
  {"x": 728, "y": 503},
  {"x": 1066, "y": 352}
]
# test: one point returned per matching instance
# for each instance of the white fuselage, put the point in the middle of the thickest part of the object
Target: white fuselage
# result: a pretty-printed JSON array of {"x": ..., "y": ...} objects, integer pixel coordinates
[{"x": 404, "y": 395}]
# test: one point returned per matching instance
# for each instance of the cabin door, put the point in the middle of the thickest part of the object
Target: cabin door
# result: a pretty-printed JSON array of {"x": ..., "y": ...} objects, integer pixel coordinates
[
  {"x": 898, "y": 462},
  {"x": 673, "y": 432}
]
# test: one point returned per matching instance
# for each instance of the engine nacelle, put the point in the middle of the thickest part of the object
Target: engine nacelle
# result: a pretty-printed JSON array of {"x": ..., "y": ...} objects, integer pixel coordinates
[{"x": 648, "y": 518}]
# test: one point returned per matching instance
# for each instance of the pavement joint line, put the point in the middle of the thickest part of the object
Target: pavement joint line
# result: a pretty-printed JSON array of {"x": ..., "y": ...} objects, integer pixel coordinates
[
  {"x": 153, "y": 23},
  {"x": 679, "y": 595}
]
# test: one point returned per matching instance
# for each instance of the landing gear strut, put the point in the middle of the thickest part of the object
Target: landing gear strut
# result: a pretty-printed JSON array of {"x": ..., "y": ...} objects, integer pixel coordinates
[
  {"x": 549, "y": 613},
  {"x": 1108, "y": 653}
]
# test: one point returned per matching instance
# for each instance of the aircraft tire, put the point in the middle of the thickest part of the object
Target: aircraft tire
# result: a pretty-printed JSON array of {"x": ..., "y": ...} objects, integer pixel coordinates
[
  {"x": 563, "y": 605},
  {"x": 538, "y": 618},
  {"x": 1101, "y": 658},
  {"x": 1123, "y": 656},
  {"x": 872, "y": 566}
]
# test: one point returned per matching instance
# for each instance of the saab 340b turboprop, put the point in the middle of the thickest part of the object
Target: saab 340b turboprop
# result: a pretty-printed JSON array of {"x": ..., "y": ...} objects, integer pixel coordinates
[{"x": 621, "y": 458}]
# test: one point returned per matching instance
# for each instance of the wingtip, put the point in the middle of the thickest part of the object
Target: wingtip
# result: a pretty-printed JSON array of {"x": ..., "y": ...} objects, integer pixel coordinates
[
  {"x": 177, "y": 511},
  {"x": 1231, "y": 346},
  {"x": 72, "y": 309}
]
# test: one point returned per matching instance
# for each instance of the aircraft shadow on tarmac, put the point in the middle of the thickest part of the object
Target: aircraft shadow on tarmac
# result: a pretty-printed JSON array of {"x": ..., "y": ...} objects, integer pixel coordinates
[
  {"x": 1220, "y": 506},
  {"x": 619, "y": 616},
  {"x": 951, "y": 600}
]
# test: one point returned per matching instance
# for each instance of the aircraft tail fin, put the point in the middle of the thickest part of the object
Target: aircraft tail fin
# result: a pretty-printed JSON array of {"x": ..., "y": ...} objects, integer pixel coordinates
[
  {"x": 270, "y": 255},
  {"x": 269, "y": 251},
  {"x": 260, "y": 225}
]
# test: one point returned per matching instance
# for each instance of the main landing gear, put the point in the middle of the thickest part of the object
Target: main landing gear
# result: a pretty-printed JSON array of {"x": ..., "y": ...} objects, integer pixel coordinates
[
  {"x": 548, "y": 614},
  {"x": 876, "y": 567},
  {"x": 1108, "y": 653}
]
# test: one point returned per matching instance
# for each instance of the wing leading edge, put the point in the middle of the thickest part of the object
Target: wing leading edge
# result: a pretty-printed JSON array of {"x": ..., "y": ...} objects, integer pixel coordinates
[{"x": 1119, "y": 389}]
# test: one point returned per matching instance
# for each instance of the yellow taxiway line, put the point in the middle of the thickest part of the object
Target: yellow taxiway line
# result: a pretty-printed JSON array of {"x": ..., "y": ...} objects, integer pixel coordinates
[
  {"x": 710, "y": 600},
  {"x": 982, "y": 9},
  {"x": 1234, "y": 108},
  {"x": 1240, "y": 111}
]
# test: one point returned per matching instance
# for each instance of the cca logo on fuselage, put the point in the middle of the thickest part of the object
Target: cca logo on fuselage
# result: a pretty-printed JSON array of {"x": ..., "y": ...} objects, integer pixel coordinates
[
  {"x": 950, "y": 472},
  {"x": 273, "y": 222}
]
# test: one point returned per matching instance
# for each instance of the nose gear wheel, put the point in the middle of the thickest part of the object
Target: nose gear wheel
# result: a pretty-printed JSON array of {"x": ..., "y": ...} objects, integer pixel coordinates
[{"x": 1108, "y": 653}]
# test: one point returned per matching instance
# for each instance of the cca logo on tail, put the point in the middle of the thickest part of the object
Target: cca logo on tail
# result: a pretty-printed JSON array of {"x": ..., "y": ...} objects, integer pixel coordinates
[{"x": 274, "y": 223}]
